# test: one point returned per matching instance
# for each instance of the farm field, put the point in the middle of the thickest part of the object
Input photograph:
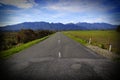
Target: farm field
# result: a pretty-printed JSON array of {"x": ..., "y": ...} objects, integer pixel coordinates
[{"x": 102, "y": 39}]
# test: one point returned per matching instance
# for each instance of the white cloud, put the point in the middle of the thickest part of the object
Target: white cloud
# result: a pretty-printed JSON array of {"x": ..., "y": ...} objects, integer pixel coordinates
[
  {"x": 2, "y": 24},
  {"x": 19, "y": 3},
  {"x": 78, "y": 5}
]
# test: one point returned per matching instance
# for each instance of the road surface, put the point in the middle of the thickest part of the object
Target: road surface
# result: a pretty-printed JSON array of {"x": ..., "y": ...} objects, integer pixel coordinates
[{"x": 58, "y": 58}]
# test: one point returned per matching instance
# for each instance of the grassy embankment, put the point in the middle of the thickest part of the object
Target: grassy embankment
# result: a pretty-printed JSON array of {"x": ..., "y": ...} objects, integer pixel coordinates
[
  {"x": 101, "y": 39},
  {"x": 9, "y": 52}
]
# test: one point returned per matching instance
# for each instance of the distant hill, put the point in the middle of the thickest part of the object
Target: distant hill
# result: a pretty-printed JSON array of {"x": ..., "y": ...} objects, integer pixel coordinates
[
  {"x": 97, "y": 26},
  {"x": 58, "y": 26}
]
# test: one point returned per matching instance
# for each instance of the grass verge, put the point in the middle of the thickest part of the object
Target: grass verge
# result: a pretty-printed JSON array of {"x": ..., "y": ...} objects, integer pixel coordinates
[
  {"x": 100, "y": 42},
  {"x": 7, "y": 53},
  {"x": 84, "y": 42},
  {"x": 102, "y": 39}
]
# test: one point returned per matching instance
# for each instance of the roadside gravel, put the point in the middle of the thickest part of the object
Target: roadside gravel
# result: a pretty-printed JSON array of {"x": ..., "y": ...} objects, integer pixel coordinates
[{"x": 103, "y": 52}]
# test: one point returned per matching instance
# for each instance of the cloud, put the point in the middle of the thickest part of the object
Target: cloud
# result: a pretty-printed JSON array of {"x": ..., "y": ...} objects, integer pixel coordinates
[
  {"x": 64, "y": 11},
  {"x": 78, "y": 6},
  {"x": 19, "y": 3}
]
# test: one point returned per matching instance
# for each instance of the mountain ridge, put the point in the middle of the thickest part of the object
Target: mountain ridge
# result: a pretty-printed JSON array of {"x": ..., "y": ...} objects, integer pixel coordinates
[{"x": 58, "y": 26}]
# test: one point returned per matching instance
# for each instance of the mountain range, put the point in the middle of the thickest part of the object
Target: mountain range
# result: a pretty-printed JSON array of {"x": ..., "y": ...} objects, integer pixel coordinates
[{"x": 58, "y": 26}]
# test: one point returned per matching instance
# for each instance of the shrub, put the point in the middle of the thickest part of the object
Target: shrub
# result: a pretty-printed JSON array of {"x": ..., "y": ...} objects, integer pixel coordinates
[
  {"x": 12, "y": 39},
  {"x": 27, "y": 35}
]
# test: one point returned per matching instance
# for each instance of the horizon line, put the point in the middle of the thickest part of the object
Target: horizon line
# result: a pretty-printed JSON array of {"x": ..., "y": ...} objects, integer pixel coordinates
[{"x": 56, "y": 22}]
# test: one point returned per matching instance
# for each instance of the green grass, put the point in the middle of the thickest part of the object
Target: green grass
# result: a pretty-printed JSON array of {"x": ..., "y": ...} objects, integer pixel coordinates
[
  {"x": 9, "y": 52},
  {"x": 82, "y": 41},
  {"x": 98, "y": 38}
]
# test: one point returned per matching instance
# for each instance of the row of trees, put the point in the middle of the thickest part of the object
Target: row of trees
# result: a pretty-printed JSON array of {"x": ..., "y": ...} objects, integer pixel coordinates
[{"x": 11, "y": 39}]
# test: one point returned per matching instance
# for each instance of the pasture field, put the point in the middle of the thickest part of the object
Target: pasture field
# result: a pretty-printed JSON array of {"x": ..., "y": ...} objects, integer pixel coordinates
[{"x": 99, "y": 38}]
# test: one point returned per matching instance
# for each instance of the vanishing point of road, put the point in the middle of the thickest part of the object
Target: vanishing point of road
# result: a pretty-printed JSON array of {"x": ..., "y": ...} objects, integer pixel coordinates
[{"x": 58, "y": 58}]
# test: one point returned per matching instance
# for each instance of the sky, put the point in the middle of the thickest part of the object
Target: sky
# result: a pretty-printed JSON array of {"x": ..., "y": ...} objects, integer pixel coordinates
[{"x": 59, "y": 11}]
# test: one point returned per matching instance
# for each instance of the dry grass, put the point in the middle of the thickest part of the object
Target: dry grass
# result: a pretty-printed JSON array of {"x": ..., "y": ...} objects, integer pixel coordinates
[{"x": 101, "y": 39}]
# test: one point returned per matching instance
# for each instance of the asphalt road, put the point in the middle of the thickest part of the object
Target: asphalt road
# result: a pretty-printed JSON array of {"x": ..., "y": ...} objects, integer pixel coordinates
[{"x": 58, "y": 58}]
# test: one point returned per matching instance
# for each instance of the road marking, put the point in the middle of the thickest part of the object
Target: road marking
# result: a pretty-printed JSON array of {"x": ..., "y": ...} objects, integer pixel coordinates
[
  {"x": 59, "y": 54},
  {"x": 58, "y": 41}
]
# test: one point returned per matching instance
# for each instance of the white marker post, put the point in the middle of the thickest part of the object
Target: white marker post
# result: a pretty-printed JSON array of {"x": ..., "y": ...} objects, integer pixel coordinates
[
  {"x": 90, "y": 41},
  {"x": 110, "y": 47}
]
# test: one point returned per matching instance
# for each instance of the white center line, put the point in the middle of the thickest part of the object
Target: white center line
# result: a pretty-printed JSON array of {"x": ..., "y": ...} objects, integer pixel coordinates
[
  {"x": 59, "y": 54},
  {"x": 58, "y": 41}
]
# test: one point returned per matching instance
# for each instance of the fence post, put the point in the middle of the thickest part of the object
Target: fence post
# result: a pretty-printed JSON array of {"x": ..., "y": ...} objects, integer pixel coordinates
[
  {"x": 110, "y": 47},
  {"x": 90, "y": 40}
]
